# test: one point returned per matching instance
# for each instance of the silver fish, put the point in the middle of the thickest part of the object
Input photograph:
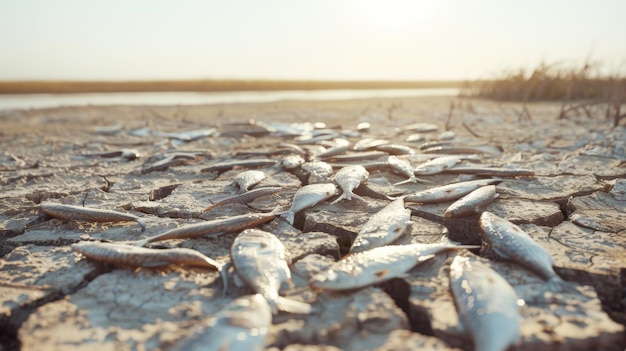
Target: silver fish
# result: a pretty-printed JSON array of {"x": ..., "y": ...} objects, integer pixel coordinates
[
  {"x": 437, "y": 165},
  {"x": 246, "y": 197},
  {"x": 87, "y": 214},
  {"x": 319, "y": 171},
  {"x": 486, "y": 303},
  {"x": 213, "y": 228},
  {"x": 246, "y": 179},
  {"x": 472, "y": 203},
  {"x": 368, "y": 143},
  {"x": 132, "y": 256},
  {"x": 449, "y": 149},
  {"x": 242, "y": 325},
  {"x": 448, "y": 192},
  {"x": 252, "y": 163},
  {"x": 384, "y": 227},
  {"x": 308, "y": 196},
  {"x": 377, "y": 265},
  {"x": 340, "y": 146},
  {"x": 260, "y": 260},
  {"x": 349, "y": 178},
  {"x": 292, "y": 162},
  {"x": 403, "y": 167},
  {"x": 395, "y": 149},
  {"x": 511, "y": 242},
  {"x": 491, "y": 171},
  {"x": 420, "y": 128}
]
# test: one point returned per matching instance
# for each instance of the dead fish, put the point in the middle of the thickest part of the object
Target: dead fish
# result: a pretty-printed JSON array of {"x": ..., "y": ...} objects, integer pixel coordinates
[
  {"x": 292, "y": 162},
  {"x": 403, "y": 167},
  {"x": 340, "y": 146},
  {"x": 437, "y": 165},
  {"x": 510, "y": 242},
  {"x": 472, "y": 203},
  {"x": 123, "y": 154},
  {"x": 377, "y": 265},
  {"x": 213, "y": 228},
  {"x": 449, "y": 149},
  {"x": 173, "y": 159},
  {"x": 246, "y": 179},
  {"x": 319, "y": 171},
  {"x": 349, "y": 178},
  {"x": 448, "y": 192},
  {"x": 413, "y": 138},
  {"x": 395, "y": 149},
  {"x": 486, "y": 303},
  {"x": 246, "y": 197},
  {"x": 358, "y": 156},
  {"x": 132, "y": 256},
  {"x": 447, "y": 135},
  {"x": 308, "y": 196},
  {"x": 260, "y": 260},
  {"x": 419, "y": 128},
  {"x": 368, "y": 143},
  {"x": 491, "y": 172},
  {"x": 87, "y": 214},
  {"x": 189, "y": 135},
  {"x": 384, "y": 227},
  {"x": 254, "y": 163},
  {"x": 241, "y": 325}
]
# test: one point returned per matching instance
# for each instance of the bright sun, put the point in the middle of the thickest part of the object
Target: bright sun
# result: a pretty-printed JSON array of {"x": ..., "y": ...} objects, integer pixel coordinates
[{"x": 398, "y": 14}]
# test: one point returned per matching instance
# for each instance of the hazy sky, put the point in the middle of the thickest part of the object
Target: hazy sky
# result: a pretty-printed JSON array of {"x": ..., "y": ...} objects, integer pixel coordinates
[{"x": 293, "y": 39}]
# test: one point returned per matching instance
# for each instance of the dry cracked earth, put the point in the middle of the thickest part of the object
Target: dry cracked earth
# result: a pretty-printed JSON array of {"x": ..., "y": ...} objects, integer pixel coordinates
[{"x": 156, "y": 163}]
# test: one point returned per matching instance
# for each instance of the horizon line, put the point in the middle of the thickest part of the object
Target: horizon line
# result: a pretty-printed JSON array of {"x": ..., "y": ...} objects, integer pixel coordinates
[{"x": 212, "y": 85}]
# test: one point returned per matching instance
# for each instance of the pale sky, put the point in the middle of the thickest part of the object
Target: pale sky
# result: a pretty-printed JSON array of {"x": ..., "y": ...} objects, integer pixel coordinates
[{"x": 294, "y": 39}]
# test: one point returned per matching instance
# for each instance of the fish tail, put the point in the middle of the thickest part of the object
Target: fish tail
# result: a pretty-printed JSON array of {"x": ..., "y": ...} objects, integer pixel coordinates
[
  {"x": 344, "y": 195},
  {"x": 289, "y": 216},
  {"x": 224, "y": 276},
  {"x": 557, "y": 284},
  {"x": 358, "y": 197},
  {"x": 142, "y": 223},
  {"x": 291, "y": 306}
]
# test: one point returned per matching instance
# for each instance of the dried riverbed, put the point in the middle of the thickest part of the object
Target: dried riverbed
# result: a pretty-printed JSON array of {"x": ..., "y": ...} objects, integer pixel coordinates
[{"x": 166, "y": 164}]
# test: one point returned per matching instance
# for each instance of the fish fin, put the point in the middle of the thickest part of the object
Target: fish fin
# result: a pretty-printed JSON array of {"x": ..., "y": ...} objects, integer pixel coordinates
[
  {"x": 292, "y": 306},
  {"x": 288, "y": 216},
  {"x": 224, "y": 276},
  {"x": 211, "y": 206},
  {"x": 341, "y": 197},
  {"x": 142, "y": 223},
  {"x": 421, "y": 259},
  {"x": 410, "y": 180},
  {"x": 358, "y": 197},
  {"x": 557, "y": 284},
  {"x": 140, "y": 243},
  {"x": 445, "y": 240}
]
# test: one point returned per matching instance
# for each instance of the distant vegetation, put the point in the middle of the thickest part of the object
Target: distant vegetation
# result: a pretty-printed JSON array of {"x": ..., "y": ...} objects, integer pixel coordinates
[
  {"x": 72, "y": 87},
  {"x": 580, "y": 89}
]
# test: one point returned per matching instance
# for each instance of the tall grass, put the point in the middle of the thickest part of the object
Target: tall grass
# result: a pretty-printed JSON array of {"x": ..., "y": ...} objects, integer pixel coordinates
[{"x": 578, "y": 88}]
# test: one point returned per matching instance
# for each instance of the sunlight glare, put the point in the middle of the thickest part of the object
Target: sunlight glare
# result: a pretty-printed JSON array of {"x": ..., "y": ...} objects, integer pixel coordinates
[{"x": 398, "y": 14}]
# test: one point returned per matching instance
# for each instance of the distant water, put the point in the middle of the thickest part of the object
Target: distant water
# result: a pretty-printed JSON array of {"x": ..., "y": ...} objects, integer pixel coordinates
[{"x": 28, "y": 101}]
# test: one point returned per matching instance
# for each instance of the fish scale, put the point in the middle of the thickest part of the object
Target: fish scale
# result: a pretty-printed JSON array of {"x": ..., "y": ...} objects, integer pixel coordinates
[
  {"x": 486, "y": 303},
  {"x": 349, "y": 178},
  {"x": 260, "y": 260},
  {"x": 384, "y": 227},
  {"x": 308, "y": 196},
  {"x": 511, "y": 242},
  {"x": 377, "y": 265}
]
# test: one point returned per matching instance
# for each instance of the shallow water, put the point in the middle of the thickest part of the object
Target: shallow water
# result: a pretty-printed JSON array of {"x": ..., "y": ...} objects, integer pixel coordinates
[{"x": 27, "y": 101}]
